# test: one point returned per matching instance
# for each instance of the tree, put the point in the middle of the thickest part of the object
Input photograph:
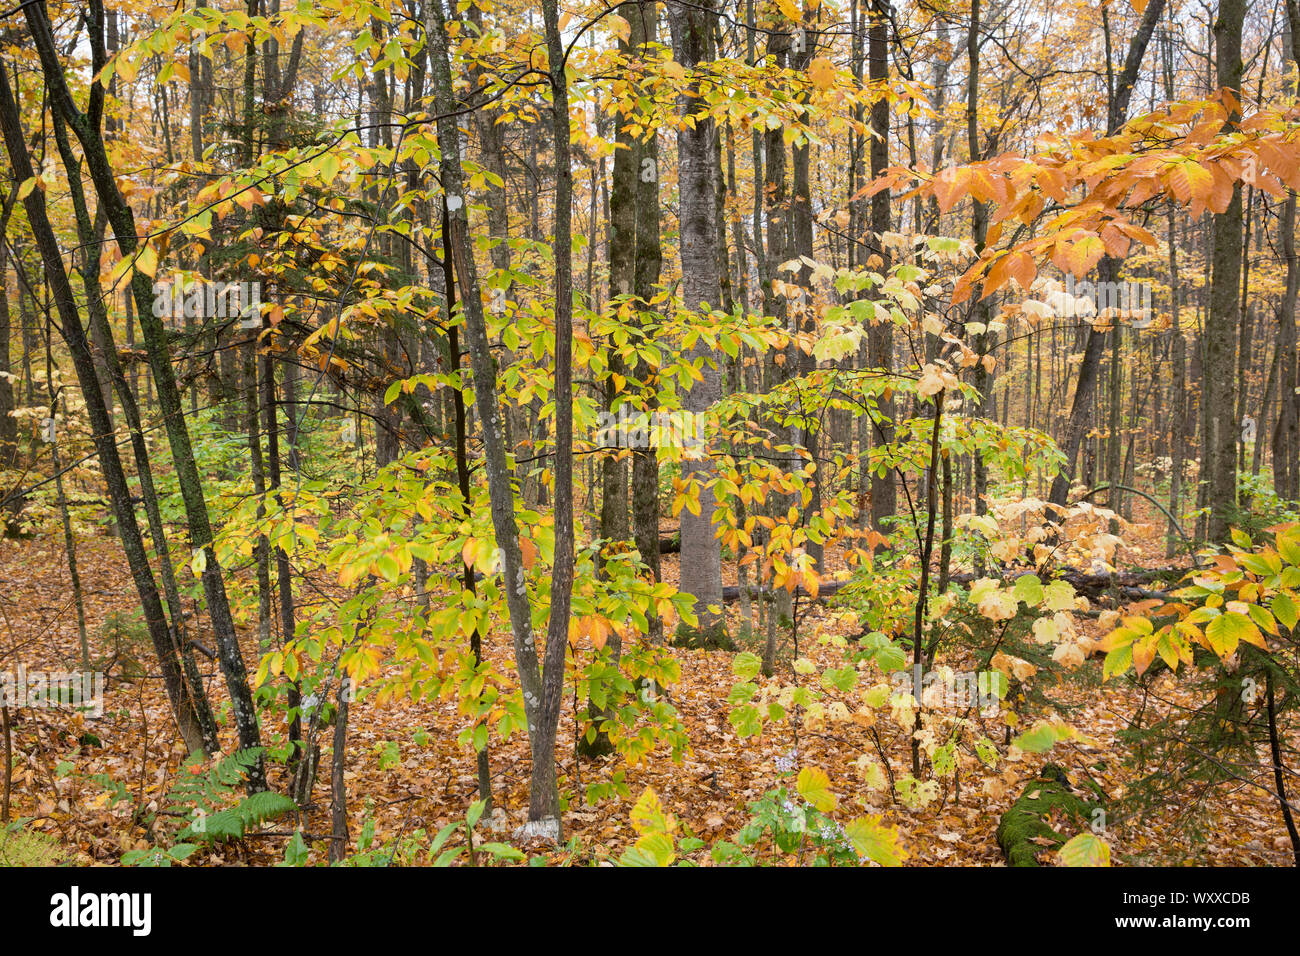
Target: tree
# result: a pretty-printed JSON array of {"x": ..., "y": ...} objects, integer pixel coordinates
[
  {"x": 541, "y": 684},
  {"x": 88, "y": 129},
  {"x": 183, "y": 705},
  {"x": 1108, "y": 271},
  {"x": 692, "y": 27},
  {"x": 1222, "y": 429}
]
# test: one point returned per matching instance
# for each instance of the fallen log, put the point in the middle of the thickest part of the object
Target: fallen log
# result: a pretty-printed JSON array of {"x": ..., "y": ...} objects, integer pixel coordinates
[
  {"x": 1092, "y": 586},
  {"x": 1024, "y": 830},
  {"x": 731, "y": 592}
]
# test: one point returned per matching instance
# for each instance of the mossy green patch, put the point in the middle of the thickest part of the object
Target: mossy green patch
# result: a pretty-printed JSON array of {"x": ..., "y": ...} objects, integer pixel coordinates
[{"x": 1024, "y": 828}]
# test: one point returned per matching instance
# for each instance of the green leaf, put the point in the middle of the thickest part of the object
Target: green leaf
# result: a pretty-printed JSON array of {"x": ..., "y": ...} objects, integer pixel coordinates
[
  {"x": 814, "y": 785},
  {"x": 501, "y": 851},
  {"x": 653, "y": 850},
  {"x": 1086, "y": 849},
  {"x": 1043, "y": 736},
  {"x": 1288, "y": 545},
  {"x": 1059, "y": 596},
  {"x": 746, "y": 665},
  {"x": 182, "y": 850},
  {"x": 296, "y": 851},
  {"x": 1227, "y": 630},
  {"x": 475, "y": 812},
  {"x": 1028, "y": 589},
  {"x": 745, "y": 720},
  {"x": 876, "y": 842},
  {"x": 1285, "y": 610},
  {"x": 742, "y": 693},
  {"x": 1117, "y": 661}
]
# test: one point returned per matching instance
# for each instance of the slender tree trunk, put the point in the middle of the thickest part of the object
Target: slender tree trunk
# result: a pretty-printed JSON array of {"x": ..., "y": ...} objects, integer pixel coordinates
[
  {"x": 880, "y": 336},
  {"x": 114, "y": 476},
  {"x": 91, "y": 235},
  {"x": 1076, "y": 426},
  {"x": 1286, "y": 433},
  {"x": 649, "y": 263},
  {"x": 462, "y": 479},
  {"x": 120, "y": 216},
  {"x": 701, "y": 555},
  {"x": 1221, "y": 321},
  {"x": 8, "y": 424},
  {"x": 338, "y": 774},
  {"x": 544, "y": 810}
]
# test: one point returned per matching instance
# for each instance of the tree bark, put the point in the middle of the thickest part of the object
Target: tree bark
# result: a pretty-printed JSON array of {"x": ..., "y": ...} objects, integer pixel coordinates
[
  {"x": 1220, "y": 454},
  {"x": 701, "y": 560},
  {"x": 1084, "y": 392},
  {"x": 88, "y": 130},
  {"x": 544, "y": 796}
]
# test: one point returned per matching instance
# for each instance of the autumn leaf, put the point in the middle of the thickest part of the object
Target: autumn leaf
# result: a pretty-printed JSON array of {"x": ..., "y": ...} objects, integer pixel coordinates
[
  {"x": 822, "y": 73},
  {"x": 147, "y": 260},
  {"x": 1086, "y": 849},
  {"x": 813, "y": 785}
]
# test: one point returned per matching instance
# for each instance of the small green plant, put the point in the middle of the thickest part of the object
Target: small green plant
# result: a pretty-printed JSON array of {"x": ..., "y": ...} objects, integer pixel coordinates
[
  {"x": 122, "y": 641},
  {"x": 207, "y": 799},
  {"x": 799, "y": 824},
  {"x": 206, "y": 795},
  {"x": 407, "y": 849}
]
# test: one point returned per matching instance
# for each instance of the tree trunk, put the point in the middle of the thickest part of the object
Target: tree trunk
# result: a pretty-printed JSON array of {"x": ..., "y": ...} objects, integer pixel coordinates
[
  {"x": 880, "y": 336},
  {"x": 1222, "y": 319},
  {"x": 544, "y": 797},
  {"x": 1108, "y": 271},
  {"x": 701, "y": 559},
  {"x": 114, "y": 475},
  {"x": 122, "y": 220}
]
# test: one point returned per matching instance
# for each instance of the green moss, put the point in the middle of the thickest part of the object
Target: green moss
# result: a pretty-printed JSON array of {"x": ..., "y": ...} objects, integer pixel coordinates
[{"x": 1024, "y": 830}]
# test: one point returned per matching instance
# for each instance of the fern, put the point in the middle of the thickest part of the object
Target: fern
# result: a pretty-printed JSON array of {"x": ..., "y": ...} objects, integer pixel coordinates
[
  {"x": 205, "y": 796},
  {"x": 233, "y": 823},
  {"x": 209, "y": 790}
]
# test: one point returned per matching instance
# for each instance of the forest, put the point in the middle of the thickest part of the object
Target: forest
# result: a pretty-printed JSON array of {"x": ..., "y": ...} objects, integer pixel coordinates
[{"x": 707, "y": 433}]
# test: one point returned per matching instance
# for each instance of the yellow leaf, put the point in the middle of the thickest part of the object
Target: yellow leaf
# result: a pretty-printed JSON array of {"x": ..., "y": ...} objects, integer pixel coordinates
[
  {"x": 649, "y": 815},
  {"x": 618, "y": 26},
  {"x": 822, "y": 73},
  {"x": 147, "y": 260},
  {"x": 814, "y": 786}
]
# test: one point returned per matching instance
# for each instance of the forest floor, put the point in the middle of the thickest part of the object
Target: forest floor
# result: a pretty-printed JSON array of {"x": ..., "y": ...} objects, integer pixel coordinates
[{"x": 432, "y": 784}]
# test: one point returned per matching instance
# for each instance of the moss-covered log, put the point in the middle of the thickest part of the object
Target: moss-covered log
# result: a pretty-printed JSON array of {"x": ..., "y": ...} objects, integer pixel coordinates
[{"x": 1024, "y": 829}]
